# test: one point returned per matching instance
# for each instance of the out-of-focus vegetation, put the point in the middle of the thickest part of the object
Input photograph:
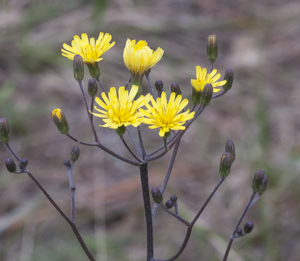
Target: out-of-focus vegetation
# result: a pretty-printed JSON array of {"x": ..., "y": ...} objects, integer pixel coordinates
[{"x": 259, "y": 40}]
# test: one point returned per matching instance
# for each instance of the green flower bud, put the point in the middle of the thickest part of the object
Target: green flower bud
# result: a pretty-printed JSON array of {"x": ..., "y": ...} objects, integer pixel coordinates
[
  {"x": 4, "y": 130},
  {"x": 212, "y": 48},
  {"x": 225, "y": 164},
  {"x": 173, "y": 198},
  {"x": 10, "y": 165},
  {"x": 78, "y": 67},
  {"x": 196, "y": 96},
  {"x": 231, "y": 149},
  {"x": 92, "y": 87},
  {"x": 175, "y": 88},
  {"x": 159, "y": 85},
  {"x": 60, "y": 121},
  {"x": 94, "y": 70},
  {"x": 248, "y": 227},
  {"x": 169, "y": 204},
  {"x": 75, "y": 154},
  {"x": 121, "y": 130},
  {"x": 23, "y": 163},
  {"x": 206, "y": 94},
  {"x": 156, "y": 195},
  {"x": 260, "y": 182},
  {"x": 228, "y": 76}
]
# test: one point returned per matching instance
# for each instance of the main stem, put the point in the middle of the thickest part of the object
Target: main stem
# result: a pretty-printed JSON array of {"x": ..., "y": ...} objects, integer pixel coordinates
[{"x": 147, "y": 206}]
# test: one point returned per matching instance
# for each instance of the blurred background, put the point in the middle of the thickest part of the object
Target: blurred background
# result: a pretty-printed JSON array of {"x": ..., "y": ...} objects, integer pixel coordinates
[{"x": 259, "y": 40}]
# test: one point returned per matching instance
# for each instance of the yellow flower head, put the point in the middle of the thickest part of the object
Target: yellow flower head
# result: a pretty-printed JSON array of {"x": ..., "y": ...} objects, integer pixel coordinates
[
  {"x": 138, "y": 58},
  {"x": 122, "y": 109},
  {"x": 89, "y": 50},
  {"x": 204, "y": 78},
  {"x": 167, "y": 116}
]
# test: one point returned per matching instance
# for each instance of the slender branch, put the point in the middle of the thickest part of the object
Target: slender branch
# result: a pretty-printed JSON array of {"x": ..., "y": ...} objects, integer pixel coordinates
[
  {"x": 190, "y": 227},
  {"x": 147, "y": 208},
  {"x": 134, "y": 142},
  {"x": 72, "y": 189},
  {"x": 103, "y": 89},
  {"x": 12, "y": 151},
  {"x": 131, "y": 152},
  {"x": 99, "y": 145},
  {"x": 237, "y": 226},
  {"x": 72, "y": 224},
  {"x": 168, "y": 174},
  {"x": 150, "y": 87},
  {"x": 175, "y": 215},
  {"x": 141, "y": 142}
]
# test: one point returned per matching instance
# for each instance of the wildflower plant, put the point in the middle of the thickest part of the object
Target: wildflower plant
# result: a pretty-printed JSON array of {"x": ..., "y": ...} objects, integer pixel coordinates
[{"x": 123, "y": 107}]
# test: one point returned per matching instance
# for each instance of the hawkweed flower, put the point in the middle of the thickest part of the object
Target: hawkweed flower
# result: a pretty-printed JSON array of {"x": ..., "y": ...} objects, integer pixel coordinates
[
  {"x": 139, "y": 58},
  {"x": 166, "y": 115},
  {"x": 203, "y": 78},
  {"x": 120, "y": 110},
  {"x": 60, "y": 121},
  {"x": 89, "y": 49}
]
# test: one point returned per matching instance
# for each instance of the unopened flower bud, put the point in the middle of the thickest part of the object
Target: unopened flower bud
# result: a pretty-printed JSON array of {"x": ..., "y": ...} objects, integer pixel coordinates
[
  {"x": 92, "y": 87},
  {"x": 67, "y": 163},
  {"x": 121, "y": 130},
  {"x": 196, "y": 96},
  {"x": 75, "y": 154},
  {"x": 10, "y": 165},
  {"x": 169, "y": 204},
  {"x": 225, "y": 164},
  {"x": 231, "y": 149},
  {"x": 260, "y": 182},
  {"x": 94, "y": 70},
  {"x": 4, "y": 130},
  {"x": 175, "y": 88},
  {"x": 228, "y": 76},
  {"x": 212, "y": 48},
  {"x": 206, "y": 94},
  {"x": 159, "y": 85},
  {"x": 248, "y": 227},
  {"x": 78, "y": 67},
  {"x": 23, "y": 163},
  {"x": 156, "y": 195},
  {"x": 173, "y": 198},
  {"x": 60, "y": 121},
  {"x": 239, "y": 231}
]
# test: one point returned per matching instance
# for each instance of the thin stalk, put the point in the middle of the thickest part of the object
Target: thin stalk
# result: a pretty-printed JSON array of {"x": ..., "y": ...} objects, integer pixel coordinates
[
  {"x": 103, "y": 89},
  {"x": 134, "y": 142},
  {"x": 72, "y": 224},
  {"x": 131, "y": 152},
  {"x": 72, "y": 189},
  {"x": 237, "y": 226},
  {"x": 141, "y": 142},
  {"x": 147, "y": 208},
  {"x": 12, "y": 151},
  {"x": 168, "y": 174},
  {"x": 219, "y": 94},
  {"x": 150, "y": 87},
  {"x": 175, "y": 215}
]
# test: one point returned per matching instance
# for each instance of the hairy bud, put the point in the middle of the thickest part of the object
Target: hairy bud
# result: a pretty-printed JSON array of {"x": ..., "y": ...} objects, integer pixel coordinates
[
  {"x": 169, "y": 204},
  {"x": 4, "y": 130},
  {"x": 78, "y": 67},
  {"x": 23, "y": 163},
  {"x": 175, "y": 88},
  {"x": 225, "y": 164},
  {"x": 248, "y": 227},
  {"x": 231, "y": 149},
  {"x": 92, "y": 87},
  {"x": 159, "y": 85},
  {"x": 75, "y": 154},
  {"x": 206, "y": 94},
  {"x": 212, "y": 48},
  {"x": 228, "y": 76},
  {"x": 156, "y": 195},
  {"x": 10, "y": 165},
  {"x": 260, "y": 182},
  {"x": 60, "y": 121},
  {"x": 173, "y": 198}
]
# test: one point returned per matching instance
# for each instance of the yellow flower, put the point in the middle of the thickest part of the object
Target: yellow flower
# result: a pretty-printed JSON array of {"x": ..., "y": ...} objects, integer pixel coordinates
[
  {"x": 167, "y": 116},
  {"x": 138, "y": 58},
  {"x": 204, "y": 78},
  {"x": 89, "y": 50},
  {"x": 120, "y": 110}
]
